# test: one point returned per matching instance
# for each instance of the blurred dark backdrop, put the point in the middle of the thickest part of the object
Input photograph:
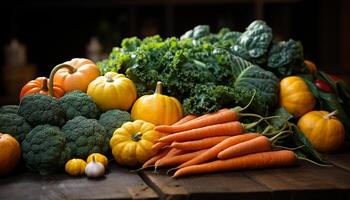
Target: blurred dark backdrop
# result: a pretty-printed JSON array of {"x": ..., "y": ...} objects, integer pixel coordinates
[{"x": 57, "y": 30}]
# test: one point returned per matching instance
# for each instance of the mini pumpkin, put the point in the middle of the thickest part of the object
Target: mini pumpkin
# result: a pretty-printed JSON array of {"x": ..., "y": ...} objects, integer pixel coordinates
[
  {"x": 157, "y": 108},
  {"x": 98, "y": 158},
  {"x": 10, "y": 152},
  {"x": 41, "y": 85},
  {"x": 132, "y": 143},
  {"x": 295, "y": 96},
  {"x": 75, "y": 167},
  {"x": 112, "y": 91},
  {"x": 75, "y": 74},
  {"x": 325, "y": 132}
]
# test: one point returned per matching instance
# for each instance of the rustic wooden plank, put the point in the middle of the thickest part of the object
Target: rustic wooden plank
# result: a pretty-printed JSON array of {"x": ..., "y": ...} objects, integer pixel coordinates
[
  {"x": 230, "y": 185},
  {"x": 119, "y": 183},
  {"x": 305, "y": 181},
  {"x": 341, "y": 160}
]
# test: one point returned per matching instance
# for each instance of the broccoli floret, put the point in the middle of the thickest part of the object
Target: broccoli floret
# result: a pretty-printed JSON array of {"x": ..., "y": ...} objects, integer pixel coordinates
[
  {"x": 41, "y": 109},
  {"x": 45, "y": 150},
  {"x": 113, "y": 119},
  {"x": 9, "y": 109},
  {"x": 78, "y": 103},
  {"x": 85, "y": 136},
  {"x": 14, "y": 125}
]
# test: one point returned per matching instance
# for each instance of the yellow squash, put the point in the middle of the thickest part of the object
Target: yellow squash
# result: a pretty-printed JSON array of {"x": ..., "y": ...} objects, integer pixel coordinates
[
  {"x": 325, "y": 132},
  {"x": 295, "y": 96},
  {"x": 112, "y": 91},
  {"x": 75, "y": 167},
  {"x": 99, "y": 158},
  {"x": 132, "y": 143},
  {"x": 157, "y": 108}
]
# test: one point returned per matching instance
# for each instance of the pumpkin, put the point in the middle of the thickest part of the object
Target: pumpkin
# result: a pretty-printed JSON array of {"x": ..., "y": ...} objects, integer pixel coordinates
[
  {"x": 295, "y": 96},
  {"x": 75, "y": 167},
  {"x": 325, "y": 132},
  {"x": 75, "y": 74},
  {"x": 310, "y": 66},
  {"x": 40, "y": 85},
  {"x": 10, "y": 153},
  {"x": 157, "y": 108},
  {"x": 98, "y": 158},
  {"x": 112, "y": 91},
  {"x": 132, "y": 143}
]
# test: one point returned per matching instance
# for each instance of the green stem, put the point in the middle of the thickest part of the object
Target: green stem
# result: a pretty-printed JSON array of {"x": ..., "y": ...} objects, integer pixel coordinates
[
  {"x": 44, "y": 85},
  {"x": 55, "y": 69},
  {"x": 240, "y": 109},
  {"x": 313, "y": 162},
  {"x": 288, "y": 148}
]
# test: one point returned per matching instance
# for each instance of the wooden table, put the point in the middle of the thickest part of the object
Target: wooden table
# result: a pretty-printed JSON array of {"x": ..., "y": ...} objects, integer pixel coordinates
[{"x": 304, "y": 181}]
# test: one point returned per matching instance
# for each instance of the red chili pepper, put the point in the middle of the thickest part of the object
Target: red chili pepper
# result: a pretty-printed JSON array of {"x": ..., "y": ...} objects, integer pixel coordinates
[
  {"x": 323, "y": 86},
  {"x": 335, "y": 78}
]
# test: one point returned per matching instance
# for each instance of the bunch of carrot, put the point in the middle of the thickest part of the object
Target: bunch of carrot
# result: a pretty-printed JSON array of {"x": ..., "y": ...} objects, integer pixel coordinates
[{"x": 214, "y": 142}]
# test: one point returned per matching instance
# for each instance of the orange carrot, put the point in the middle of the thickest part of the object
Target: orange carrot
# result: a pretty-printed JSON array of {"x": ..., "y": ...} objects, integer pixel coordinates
[
  {"x": 255, "y": 145},
  {"x": 159, "y": 145},
  {"x": 213, "y": 152},
  {"x": 199, "y": 144},
  {"x": 178, "y": 159},
  {"x": 250, "y": 161},
  {"x": 185, "y": 119},
  {"x": 172, "y": 152},
  {"x": 229, "y": 128},
  {"x": 226, "y": 115},
  {"x": 153, "y": 159}
]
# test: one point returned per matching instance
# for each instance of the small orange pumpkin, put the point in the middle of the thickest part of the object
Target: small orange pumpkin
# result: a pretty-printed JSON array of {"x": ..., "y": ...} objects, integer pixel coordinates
[
  {"x": 325, "y": 132},
  {"x": 10, "y": 152},
  {"x": 40, "y": 85},
  {"x": 75, "y": 74}
]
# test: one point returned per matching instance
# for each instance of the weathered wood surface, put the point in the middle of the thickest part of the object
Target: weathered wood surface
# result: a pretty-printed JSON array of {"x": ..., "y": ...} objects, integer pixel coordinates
[
  {"x": 304, "y": 181},
  {"x": 119, "y": 183}
]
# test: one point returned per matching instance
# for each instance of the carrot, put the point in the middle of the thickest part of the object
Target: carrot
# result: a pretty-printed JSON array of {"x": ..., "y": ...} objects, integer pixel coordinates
[
  {"x": 250, "y": 161},
  {"x": 213, "y": 152},
  {"x": 228, "y": 115},
  {"x": 199, "y": 144},
  {"x": 172, "y": 152},
  {"x": 178, "y": 159},
  {"x": 225, "y": 129},
  {"x": 185, "y": 119},
  {"x": 159, "y": 145},
  {"x": 153, "y": 159},
  {"x": 255, "y": 145}
]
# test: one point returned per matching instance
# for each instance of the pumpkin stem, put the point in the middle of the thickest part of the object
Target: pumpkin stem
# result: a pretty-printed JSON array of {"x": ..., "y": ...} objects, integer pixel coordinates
[
  {"x": 55, "y": 69},
  {"x": 44, "y": 85},
  {"x": 159, "y": 88},
  {"x": 136, "y": 137},
  {"x": 109, "y": 78},
  {"x": 93, "y": 158},
  {"x": 329, "y": 115}
]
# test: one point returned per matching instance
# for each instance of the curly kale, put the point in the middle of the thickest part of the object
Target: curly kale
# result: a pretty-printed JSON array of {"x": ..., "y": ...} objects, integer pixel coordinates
[
  {"x": 44, "y": 149},
  {"x": 210, "y": 98},
  {"x": 113, "y": 119},
  {"x": 41, "y": 109},
  {"x": 9, "y": 109},
  {"x": 14, "y": 125},
  {"x": 78, "y": 103},
  {"x": 85, "y": 136}
]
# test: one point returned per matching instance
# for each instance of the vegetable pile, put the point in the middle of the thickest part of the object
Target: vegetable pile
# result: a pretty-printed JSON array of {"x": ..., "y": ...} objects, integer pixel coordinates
[{"x": 201, "y": 103}]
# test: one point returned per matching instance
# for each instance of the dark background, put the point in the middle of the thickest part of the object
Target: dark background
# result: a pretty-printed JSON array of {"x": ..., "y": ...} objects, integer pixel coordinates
[{"x": 55, "y": 31}]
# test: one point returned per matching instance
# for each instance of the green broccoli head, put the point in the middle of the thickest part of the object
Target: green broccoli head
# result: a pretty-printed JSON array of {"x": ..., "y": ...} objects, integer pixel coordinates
[
  {"x": 113, "y": 119},
  {"x": 78, "y": 103},
  {"x": 45, "y": 150},
  {"x": 9, "y": 109},
  {"x": 41, "y": 109},
  {"x": 85, "y": 136},
  {"x": 14, "y": 125}
]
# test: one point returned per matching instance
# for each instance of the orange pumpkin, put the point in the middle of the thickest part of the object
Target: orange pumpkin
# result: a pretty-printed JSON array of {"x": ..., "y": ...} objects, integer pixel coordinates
[
  {"x": 40, "y": 85},
  {"x": 75, "y": 74},
  {"x": 10, "y": 152}
]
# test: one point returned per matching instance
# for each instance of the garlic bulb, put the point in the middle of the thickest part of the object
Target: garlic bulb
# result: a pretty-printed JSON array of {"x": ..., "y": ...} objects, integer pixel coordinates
[{"x": 94, "y": 169}]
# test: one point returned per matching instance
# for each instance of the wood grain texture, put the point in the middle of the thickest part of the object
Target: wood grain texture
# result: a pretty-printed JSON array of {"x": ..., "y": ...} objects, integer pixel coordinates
[
  {"x": 119, "y": 183},
  {"x": 231, "y": 185}
]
